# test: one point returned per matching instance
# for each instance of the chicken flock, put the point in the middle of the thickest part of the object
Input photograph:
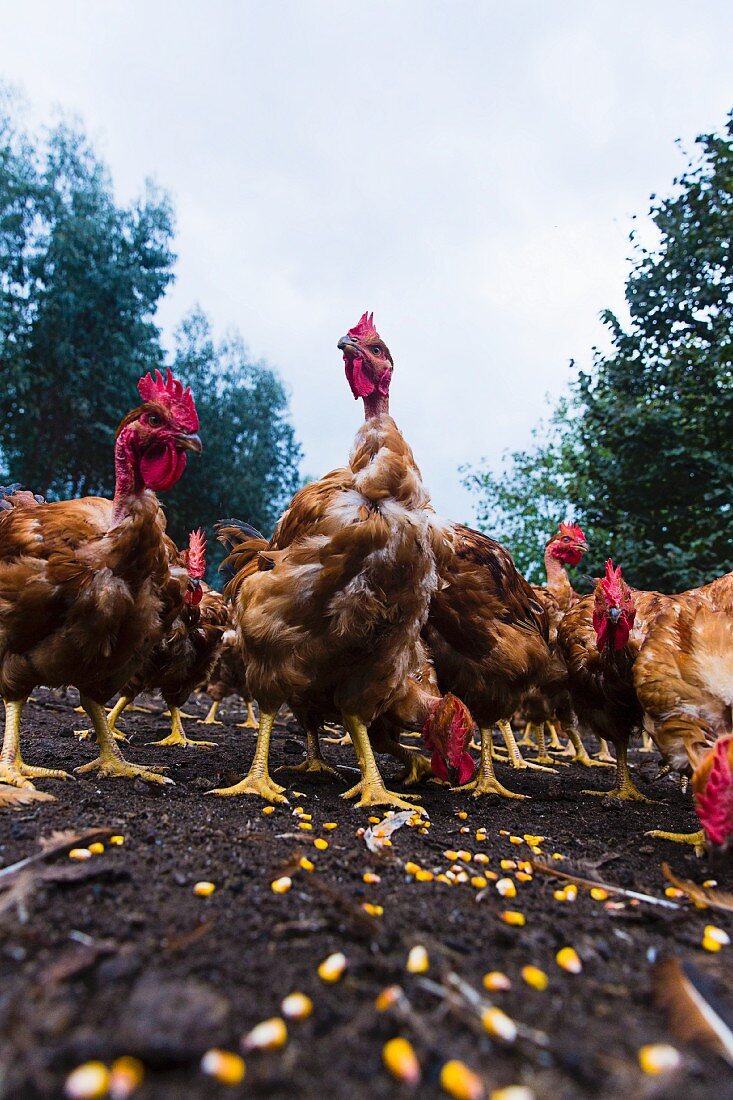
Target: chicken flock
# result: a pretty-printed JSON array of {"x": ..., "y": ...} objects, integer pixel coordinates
[{"x": 365, "y": 608}]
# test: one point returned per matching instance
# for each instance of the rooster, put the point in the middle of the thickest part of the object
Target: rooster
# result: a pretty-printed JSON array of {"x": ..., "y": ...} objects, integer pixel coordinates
[
  {"x": 86, "y": 586},
  {"x": 600, "y": 639},
  {"x": 489, "y": 638},
  {"x": 330, "y": 610},
  {"x": 684, "y": 682},
  {"x": 184, "y": 656}
]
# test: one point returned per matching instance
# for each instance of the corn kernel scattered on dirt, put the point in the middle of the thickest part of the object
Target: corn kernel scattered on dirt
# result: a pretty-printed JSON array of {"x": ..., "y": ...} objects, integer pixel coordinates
[
  {"x": 269, "y": 1035},
  {"x": 306, "y": 864},
  {"x": 568, "y": 959},
  {"x": 320, "y": 844},
  {"x": 495, "y": 980},
  {"x": 330, "y": 825},
  {"x": 332, "y": 968},
  {"x": 423, "y": 875},
  {"x": 535, "y": 977},
  {"x": 96, "y": 848},
  {"x": 411, "y": 867},
  {"x": 715, "y": 935},
  {"x": 512, "y": 916},
  {"x": 401, "y": 1060},
  {"x": 461, "y": 815},
  {"x": 512, "y": 1092},
  {"x": 80, "y": 854},
  {"x": 464, "y": 856},
  {"x": 478, "y": 881},
  {"x": 296, "y": 1006},
  {"x": 500, "y": 1025},
  {"x": 674, "y": 892},
  {"x": 373, "y": 910},
  {"x": 516, "y": 840},
  {"x": 418, "y": 961},
  {"x": 204, "y": 889},
  {"x": 481, "y": 857},
  {"x": 281, "y": 885},
  {"x": 305, "y": 826},
  {"x": 126, "y": 1076},
  {"x": 87, "y": 1082},
  {"x": 599, "y": 894},
  {"x": 224, "y": 1066},
  {"x": 523, "y": 876},
  {"x": 117, "y": 839},
  {"x": 389, "y": 996},
  {"x": 460, "y": 1082},
  {"x": 656, "y": 1058},
  {"x": 451, "y": 855},
  {"x": 268, "y": 809},
  {"x": 506, "y": 888},
  {"x": 370, "y": 878}
]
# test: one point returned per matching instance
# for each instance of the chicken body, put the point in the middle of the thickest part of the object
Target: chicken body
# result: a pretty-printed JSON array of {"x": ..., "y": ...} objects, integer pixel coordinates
[{"x": 227, "y": 677}]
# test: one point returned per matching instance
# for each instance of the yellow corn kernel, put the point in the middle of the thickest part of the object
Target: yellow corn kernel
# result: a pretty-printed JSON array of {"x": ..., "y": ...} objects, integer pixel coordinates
[
  {"x": 557, "y": 855},
  {"x": 559, "y": 895},
  {"x": 522, "y": 876},
  {"x": 299, "y": 794},
  {"x": 503, "y": 832},
  {"x": 481, "y": 857},
  {"x": 532, "y": 839},
  {"x": 268, "y": 809},
  {"x": 423, "y": 831},
  {"x": 305, "y": 826},
  {"x": 331, "y": 969},
  {"x": 535, "y": 850},
  {"x": 451, "y": 855},
  {"x": 97, "y": 848},
  {"x": 500, "y": 1025},
  {"x": 512, "y": 1092},
  {"x": 418, "y": 961},
  {"x": 306, "y": 817},
  {"x": 535, "y": 977},
  {"x": 460, "y": 1082},
  {"x": 299, "y": 810},
  {"x": 464, "y": 856},
  {"x": 204, "y": 889},
  {"x": 306, "y": 864},
  {"x": 296, "y": 1006},
  {"x": 516, "y": 840},
  {"x": 117, "y": 839},
  {"x": 508, "y": 864},
  {"x": 442, "y": 878},
  {"x": 370, "y": 878},
  {"x": 656, "y": 1058},
  {"x": 599, "y": 894},
  {"x": 269, "y": 1035},
  {"x": 717, "y": 934},
  {"x": 87, "y": 1082},
  {"x": 374, "y": 820},
  {"x": 372, "y": 910},
  {"x": 461, "y": 814},
  {"x": 401, "y": 1060},
  {"x": 674, "y": 892},
  {"x": 462, "y": 876},
  {"x": 568, "y": 959},
  {"x": 709, "y": 883},
  {"x": 464, "y": 829},
  {"x": 412, "y": 868},
  {"x": 495, "y": 981},
  {"x": 281, "y": 885},
  {"x": 571, "y": 891},
  {"x": 388, "y": 997},
  {"x": 330, "y": 825},
  {"x": 423, "y": 875},
  {"x": 80, "y": 854},
  {"x": 224, "y": 1066},
  {"x": 511, "y": 916},
  {"x": 525, "y": 865},
  {"x": 479, "y": 881},
  {"x": 320, "y": 844},
  {"x": 506, "y": 888},
  {"x": 492, "y": 875},
  {"x": 126, "y": 1076}
]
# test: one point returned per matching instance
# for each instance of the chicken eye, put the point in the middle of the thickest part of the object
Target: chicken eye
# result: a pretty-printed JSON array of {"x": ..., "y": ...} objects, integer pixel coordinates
[
  {"x": 154, "y": 420},
  {"x": 375, "y": 349}
]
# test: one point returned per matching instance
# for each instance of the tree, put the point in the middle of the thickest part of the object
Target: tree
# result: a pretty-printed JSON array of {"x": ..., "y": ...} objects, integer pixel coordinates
[
  {"x": 82, "y": 278},
  {"x": 643, "y": 450},
  {"x": 249, "y": 468}
]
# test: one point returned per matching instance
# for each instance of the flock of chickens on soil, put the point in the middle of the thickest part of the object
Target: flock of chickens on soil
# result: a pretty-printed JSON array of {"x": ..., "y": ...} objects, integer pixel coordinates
[{"x": 365, "y": 608}]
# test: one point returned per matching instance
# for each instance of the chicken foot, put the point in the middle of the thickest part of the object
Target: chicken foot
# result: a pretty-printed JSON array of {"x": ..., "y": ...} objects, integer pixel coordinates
[
  {"x": 257, "y": 780},
  {"x": 250, "y": 722},
  {"x": 371, "y": 786},
  {"x": 111, "y": 763},
  {"x": 625, "y": 788},
  {"x": 177, "y": 736},
  {"x": 604, "y": 753},
  {"x": 314, "y": 762},
  {"x": 698, "y": 838},
  {"x": 580, "y": 755},
  {"x": 211, "y": 719},
  {"x": 515, "y": 757},
  {"x": 543, "y": 756},
  {"x": 13, "y": 769},
  {"x": 486, "y": 781},
  {"x": 123, "y": 703}
]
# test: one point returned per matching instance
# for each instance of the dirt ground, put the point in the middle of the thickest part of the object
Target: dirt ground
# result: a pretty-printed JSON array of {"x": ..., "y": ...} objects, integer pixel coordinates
[{"x": 118, "y": 956}]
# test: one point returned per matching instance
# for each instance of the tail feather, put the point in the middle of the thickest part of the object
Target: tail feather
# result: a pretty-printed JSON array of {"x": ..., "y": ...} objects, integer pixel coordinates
[{"x": 244, "y": 543}]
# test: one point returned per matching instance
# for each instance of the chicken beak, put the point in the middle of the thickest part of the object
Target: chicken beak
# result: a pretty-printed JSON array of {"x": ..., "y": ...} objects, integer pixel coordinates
[
  {"x": 191, "y": 442},
  {"x": 348, "y": 343}
]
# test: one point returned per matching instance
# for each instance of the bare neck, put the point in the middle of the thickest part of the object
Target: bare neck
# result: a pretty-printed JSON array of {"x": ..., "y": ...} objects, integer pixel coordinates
[
  {"x": 376, "y": 404},
  {"x": 558, "y": 581},
  {"x": 128, "y": 483}
]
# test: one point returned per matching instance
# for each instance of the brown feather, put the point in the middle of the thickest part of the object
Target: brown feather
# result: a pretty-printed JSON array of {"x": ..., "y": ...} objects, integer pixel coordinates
[{"x": 681, "y": 990}]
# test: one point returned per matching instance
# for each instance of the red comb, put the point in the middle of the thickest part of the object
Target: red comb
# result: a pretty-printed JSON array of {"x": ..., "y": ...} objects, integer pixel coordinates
[
  {"x": 363, "y": 327},
  {"x": 573, "y": 531},
  {"x": 196, "y": 565},
  {"x": 714, "y": 804},
  {"x": 611, "y": 583},
  {"x": 172, "y": 395}
]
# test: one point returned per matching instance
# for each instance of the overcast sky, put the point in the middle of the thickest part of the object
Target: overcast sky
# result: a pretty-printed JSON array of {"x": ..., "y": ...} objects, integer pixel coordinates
[{"x": 468, "y": 170}]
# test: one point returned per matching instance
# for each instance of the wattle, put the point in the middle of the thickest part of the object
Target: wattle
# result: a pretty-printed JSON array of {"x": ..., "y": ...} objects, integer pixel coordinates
[
  {"x": 162, "y": 466},
  {"x": 360, "y": 383}
]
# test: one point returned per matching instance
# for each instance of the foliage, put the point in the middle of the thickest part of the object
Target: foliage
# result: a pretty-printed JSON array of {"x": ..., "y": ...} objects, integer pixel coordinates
[{"x": 642, "y": 452}]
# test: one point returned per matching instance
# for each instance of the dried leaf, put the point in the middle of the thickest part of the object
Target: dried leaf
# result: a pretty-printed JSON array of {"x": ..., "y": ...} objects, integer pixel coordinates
[
  {"x": 15, "y": 798},
  {"x": 685, "y": 994},
  {"x": 545, "y": 869},
  {"x": 701, "y": 895},
  {"x": 375, "y": 835}
]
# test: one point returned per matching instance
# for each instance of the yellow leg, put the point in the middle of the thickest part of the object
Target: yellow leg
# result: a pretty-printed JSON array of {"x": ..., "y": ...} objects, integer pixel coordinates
[
  {"x": 314, "y": 762},
  {"x": 604, "y": 754},
  {"x": 371, "y": 786},
  {"x": 337, "y": 739},
  {"x": 555, "y": 744},
  {"x": 581, "y": 753},
  {"x": 13, "y": 771},
  {"x": 177, "y": 736},
  {"x": 250, "y": 722},
  {"x": 123, "y": 703},
  {"x": 543, "y": 756},
  {"x": 486, "y": 781},
  {"x": 258, "y": 781},
  {"x": 515, "y": 757},
  {"x": 210, "y": 719},
  {"x": 625, "y": 788},
  {"x": 416, "y": 766},
  {"x": 698, "y": 838},
  {"x": 111, "y": 763},
  {"x": 647, "y": 745}
]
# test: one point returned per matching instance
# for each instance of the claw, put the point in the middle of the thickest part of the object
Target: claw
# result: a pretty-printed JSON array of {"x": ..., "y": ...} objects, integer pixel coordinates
[
  {"x": 111, "y": 768},
  {"x": 261, "y": 786}
]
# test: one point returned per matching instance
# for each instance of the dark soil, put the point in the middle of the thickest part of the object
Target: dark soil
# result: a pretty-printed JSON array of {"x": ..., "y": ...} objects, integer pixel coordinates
[{"x": 126, "y": 959}]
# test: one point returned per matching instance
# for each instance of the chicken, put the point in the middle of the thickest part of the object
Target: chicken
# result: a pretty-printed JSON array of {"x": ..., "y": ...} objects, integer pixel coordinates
[
  {"x": 85, "y": 585},
  {"x": 684, "y": 681},
  {"x": 185, "y": 654},
  {"x": 600, "y": 639},
  {"x": 330, "y": 612},
  {"x": 488, "y": 636},
  {"x": 228, "y": 677}
]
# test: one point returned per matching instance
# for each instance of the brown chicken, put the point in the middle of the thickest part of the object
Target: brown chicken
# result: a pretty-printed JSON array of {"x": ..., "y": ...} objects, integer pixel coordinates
[
  {"x": 684, "y": 681},
  {"x": 182, "y": 659},
  {"x": 85, "y": 585},
  {"x": 330, "y": 613},
  {"x": 600, "y": 638},
  {"x": 489, "y": 638},
  {"x": 228, "y": 677}
]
